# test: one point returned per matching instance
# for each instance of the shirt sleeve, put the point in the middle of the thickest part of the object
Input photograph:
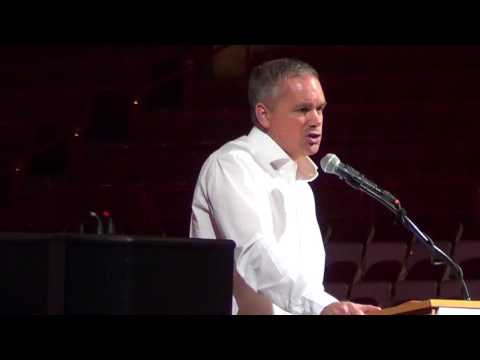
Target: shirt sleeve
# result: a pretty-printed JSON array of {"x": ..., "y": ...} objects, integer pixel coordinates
[{"x": 241, "y": 213}]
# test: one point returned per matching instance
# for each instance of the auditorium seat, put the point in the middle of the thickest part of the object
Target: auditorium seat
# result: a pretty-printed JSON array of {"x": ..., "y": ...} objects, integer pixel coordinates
[
  {"x": 343, "y": 260},
  {"x": 467, "y": 255},
  {"x": 350, "y": 230},
  {"x": 389, "y": 231},
  {"x": 384, "y": 261},
  {"x": 419, "y": 264},
  {"x": 375, "y": 293},
  {"x": 107, "y": 164},
  {"x": 470, "y": 232},
  {"x": 450, "y": 289},
  {"x": 414, "y": 290}
]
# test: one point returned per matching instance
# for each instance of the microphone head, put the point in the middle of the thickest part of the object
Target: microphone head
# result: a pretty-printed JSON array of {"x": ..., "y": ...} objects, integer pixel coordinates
[{"x": 329, "y": 163}]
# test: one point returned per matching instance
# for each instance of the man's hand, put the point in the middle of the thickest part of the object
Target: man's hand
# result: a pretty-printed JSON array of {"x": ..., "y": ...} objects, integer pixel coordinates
[{"x": 349, "y": 308}]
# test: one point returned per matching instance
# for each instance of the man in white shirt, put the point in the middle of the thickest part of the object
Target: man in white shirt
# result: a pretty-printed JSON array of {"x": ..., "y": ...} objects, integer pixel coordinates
[{"x": 254, "y": 190}]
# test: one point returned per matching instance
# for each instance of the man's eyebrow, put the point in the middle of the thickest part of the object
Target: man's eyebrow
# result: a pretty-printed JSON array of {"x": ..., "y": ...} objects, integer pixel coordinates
[
  {"x": 304, "y": 104},
  {"x": 309, "y": 104}
]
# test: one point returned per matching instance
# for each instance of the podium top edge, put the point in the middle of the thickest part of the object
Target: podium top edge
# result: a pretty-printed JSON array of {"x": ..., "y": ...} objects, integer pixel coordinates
[
  {"x": 416, "y": 305},
  {"x": 120, "y": 239}
]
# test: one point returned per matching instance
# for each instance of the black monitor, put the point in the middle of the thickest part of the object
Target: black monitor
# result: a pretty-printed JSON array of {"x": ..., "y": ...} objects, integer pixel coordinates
[{"x": 114, "y": 274}]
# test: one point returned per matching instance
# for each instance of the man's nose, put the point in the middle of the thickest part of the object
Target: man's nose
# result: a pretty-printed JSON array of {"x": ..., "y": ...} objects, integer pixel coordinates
[{"x": 316, "y": 118}]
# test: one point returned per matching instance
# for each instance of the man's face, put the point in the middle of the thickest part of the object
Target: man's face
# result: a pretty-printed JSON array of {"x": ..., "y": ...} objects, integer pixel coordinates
[{"x": 294, "y": 117}]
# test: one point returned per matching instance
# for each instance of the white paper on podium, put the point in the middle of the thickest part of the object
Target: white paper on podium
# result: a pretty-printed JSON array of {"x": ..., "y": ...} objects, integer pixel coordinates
[{"x": 457, "y": 311}]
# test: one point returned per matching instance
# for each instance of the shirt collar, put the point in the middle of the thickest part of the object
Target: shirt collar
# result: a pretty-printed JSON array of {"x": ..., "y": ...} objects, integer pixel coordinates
[{"x": 276, "y": 161}]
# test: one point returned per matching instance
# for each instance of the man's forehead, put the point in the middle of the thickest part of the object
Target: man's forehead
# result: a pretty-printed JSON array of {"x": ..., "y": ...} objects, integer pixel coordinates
[
  {"x": 301, "y": 85},
  {"x": 298, "y": 82}
]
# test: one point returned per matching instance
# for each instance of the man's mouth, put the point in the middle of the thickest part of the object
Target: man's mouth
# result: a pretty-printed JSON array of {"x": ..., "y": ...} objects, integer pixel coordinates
[{"x": 314, "y": 138}]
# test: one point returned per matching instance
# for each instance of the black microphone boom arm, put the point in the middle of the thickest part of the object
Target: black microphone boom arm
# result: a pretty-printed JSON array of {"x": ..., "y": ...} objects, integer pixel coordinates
[
  {"x": 331, "y": 164},
  {"x": 401, "y": 214}
]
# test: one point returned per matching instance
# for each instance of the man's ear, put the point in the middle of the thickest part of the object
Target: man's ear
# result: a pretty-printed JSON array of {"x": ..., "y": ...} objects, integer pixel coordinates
[{"x": 263, "y": 116}]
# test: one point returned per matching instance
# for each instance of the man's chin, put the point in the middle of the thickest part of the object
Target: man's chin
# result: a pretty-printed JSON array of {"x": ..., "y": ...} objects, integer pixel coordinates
[{"x": 312, "y": 150}]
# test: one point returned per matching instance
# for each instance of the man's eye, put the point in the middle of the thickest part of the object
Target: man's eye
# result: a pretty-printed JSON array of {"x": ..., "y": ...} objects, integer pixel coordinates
[{"x": 304, "y": 110}]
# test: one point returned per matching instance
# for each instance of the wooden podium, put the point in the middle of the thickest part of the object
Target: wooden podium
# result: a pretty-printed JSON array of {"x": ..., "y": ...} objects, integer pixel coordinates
[{"x": 433, "y": 307}]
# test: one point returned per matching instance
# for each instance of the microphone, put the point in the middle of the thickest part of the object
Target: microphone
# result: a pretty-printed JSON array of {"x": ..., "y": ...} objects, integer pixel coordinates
[
  {"x": 99, "y": 222},
  {"x": 111, "y": 226},
  {"x": 331, "y": 164}
]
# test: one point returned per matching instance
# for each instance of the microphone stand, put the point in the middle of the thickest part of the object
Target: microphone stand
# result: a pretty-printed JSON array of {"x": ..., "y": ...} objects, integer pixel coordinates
[{"x": 393, "y": 204}]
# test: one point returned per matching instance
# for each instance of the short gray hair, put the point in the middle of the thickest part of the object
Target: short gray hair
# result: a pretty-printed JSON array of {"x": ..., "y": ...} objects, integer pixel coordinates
[{"x": 265, "y": 77}]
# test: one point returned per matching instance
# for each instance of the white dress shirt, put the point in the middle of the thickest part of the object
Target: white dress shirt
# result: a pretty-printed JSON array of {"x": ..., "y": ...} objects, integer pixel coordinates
[{"x": 250, "y": 191}]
